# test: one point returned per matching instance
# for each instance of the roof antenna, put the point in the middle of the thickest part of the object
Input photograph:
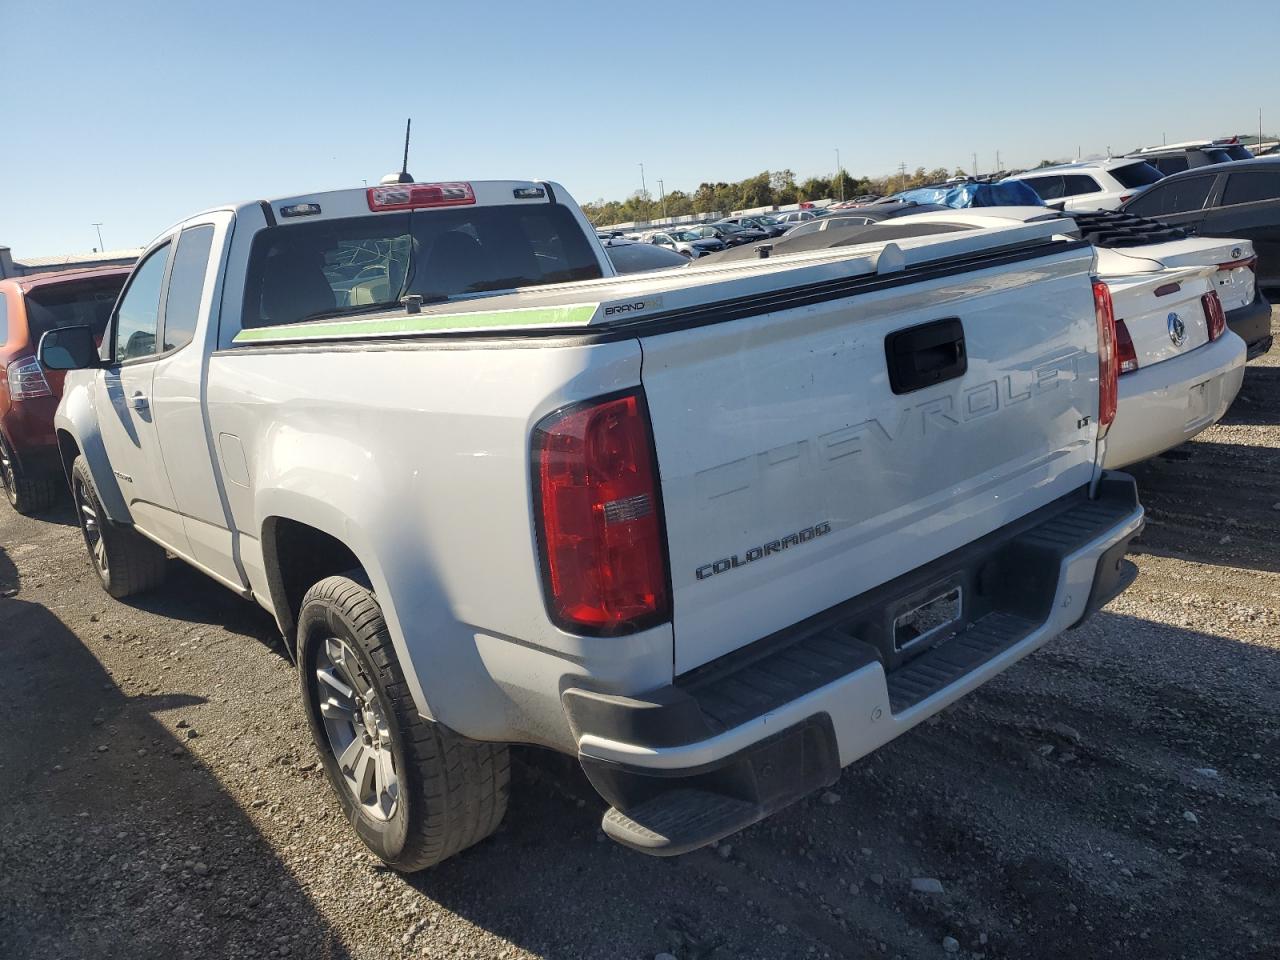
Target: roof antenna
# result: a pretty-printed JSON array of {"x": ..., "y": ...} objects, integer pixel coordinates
[{"x": 403, "y": 176}]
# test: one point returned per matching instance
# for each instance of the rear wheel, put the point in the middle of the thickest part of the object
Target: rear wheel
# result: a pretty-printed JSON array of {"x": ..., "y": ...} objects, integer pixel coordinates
[
  {"x": 415, "y": 791},
  {"x": 25, "y": 494},
  {"x": 126, "y": 562}
]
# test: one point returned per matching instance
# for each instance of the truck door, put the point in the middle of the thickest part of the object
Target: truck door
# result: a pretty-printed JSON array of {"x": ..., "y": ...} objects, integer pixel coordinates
[
  {"x": 187, "y": 332},
  {"x": 124, "y": 403}
]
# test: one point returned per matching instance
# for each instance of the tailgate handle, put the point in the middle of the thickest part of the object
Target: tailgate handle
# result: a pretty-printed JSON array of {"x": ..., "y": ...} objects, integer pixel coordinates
[{"x": 923, "y": 355}]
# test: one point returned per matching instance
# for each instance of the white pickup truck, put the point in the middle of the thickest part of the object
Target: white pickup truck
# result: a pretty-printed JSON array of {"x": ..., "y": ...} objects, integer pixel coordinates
[{"x": 716, "y": 532}]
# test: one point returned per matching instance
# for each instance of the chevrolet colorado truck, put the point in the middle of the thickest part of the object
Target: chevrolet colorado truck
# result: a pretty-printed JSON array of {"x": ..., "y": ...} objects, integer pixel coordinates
[{"x": 715, "y": 532}]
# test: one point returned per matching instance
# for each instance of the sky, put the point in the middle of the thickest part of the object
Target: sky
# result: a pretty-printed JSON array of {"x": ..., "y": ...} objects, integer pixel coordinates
[{"x": 137, "y": 114}]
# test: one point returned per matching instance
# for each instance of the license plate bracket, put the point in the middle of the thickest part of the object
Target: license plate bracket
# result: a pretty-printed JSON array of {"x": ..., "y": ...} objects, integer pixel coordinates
[{"x": 934, "y": 617}]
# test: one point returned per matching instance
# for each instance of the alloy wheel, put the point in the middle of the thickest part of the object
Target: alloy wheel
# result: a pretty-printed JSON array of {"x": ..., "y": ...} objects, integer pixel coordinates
[
  {"x": 356, "y": 726},
  {"x": 91, "y": 527}
]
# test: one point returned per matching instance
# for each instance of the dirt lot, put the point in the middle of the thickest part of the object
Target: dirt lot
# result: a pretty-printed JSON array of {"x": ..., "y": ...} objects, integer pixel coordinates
[{"x": 1112, "y": 796}]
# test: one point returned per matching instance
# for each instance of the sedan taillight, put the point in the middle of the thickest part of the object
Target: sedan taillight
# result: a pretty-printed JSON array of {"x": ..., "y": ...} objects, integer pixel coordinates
[
  {"x": 1214, "y": 314},
  {"x": 1125, "y": 353}
]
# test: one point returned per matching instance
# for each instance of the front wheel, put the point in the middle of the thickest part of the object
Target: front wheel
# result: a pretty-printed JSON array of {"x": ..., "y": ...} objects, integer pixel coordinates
[
  {"x": 415, "y": 791},
  {"x": 126, "y": 562}
]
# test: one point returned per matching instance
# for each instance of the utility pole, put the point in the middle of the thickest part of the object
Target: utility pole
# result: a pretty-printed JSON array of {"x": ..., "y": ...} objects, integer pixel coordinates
[
  {"x": 98, "y": 226},
  {"x": 840, "y": 174},
  {"x": 644, "y": 191},
  {"x": 902, "y": 176},
  {"x": 975, "y": 166},
  {"x": 1259, "y": 126},
  {"x": 663, "y": 190},
  {"x": 997, "y": 169}
]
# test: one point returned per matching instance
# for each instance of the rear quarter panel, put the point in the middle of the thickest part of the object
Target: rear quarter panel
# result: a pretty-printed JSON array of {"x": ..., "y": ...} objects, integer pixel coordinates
[{"x": 417, "y": 458}]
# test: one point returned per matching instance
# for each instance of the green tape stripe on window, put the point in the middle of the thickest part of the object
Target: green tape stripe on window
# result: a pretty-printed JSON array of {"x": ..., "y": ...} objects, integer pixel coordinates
[{"x": 575, "y": 315}]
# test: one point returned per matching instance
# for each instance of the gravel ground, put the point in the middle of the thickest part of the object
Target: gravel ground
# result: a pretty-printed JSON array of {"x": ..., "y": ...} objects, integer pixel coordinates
[{"x": 1112, "y": 796}]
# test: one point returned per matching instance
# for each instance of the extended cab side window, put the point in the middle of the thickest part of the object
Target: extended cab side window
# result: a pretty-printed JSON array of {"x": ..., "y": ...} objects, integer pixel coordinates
[
  {"x": 138, "y": 317},
  {"x": 186, "y": 285}
]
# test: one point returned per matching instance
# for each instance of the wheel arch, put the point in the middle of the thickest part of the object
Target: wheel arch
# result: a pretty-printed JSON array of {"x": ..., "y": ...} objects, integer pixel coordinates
[
  {"x": 76, "y": 428},
  {"x": 305, "y": 540}
]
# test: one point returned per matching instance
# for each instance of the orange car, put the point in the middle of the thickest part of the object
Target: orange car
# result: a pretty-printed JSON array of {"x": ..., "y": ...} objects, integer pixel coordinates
[{"x": 30, "y": 468}]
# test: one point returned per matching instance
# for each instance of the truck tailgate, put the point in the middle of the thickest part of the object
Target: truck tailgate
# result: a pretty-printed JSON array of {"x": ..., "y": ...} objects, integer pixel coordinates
[{"x": 794, "y": 477}]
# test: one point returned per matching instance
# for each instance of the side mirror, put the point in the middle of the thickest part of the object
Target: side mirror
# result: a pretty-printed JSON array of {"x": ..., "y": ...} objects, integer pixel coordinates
[{"x": 69, "y": 348}]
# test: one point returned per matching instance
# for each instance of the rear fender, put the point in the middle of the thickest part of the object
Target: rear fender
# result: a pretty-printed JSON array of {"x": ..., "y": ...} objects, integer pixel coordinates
[
  {"x": 335, "y": 518},
  {"x": 77, "y": 416}
]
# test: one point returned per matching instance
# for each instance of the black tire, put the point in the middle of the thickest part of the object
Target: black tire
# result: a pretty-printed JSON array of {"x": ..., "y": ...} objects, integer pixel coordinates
[
  {"x": 27, "y": 495},
  {"x": 126, "y": 562},
  {"x": 452, "y": 791}
]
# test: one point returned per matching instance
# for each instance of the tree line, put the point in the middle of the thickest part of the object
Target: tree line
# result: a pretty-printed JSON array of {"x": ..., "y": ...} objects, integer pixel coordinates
[{"x": 766, "y": 189}]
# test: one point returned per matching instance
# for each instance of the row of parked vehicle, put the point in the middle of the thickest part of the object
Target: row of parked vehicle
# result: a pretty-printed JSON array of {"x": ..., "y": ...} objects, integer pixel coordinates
[{"x": 716, "y": 533}]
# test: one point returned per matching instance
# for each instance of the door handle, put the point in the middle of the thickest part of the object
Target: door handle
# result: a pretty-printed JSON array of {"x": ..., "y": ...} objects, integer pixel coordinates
[{"x": 139, "y": 401}]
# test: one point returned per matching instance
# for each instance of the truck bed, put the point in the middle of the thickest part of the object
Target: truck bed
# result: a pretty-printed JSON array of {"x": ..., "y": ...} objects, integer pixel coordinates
[{"x": 623, "y": 303}]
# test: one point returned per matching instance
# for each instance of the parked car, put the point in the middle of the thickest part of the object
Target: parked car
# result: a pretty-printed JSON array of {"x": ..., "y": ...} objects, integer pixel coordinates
[
  {"x": 1181, "y": 365},
  {"x": 1232, "y": 146},
  {"x": 727, "y": 233},
  {"x": 793, "y": 217},
  {"x": 967, "y": 193},
  {"x": 1239, "y": 199},
  {"x": 632, "y": 256},
  {"x": 1171, "y": 160},
  {"x": 30, "y": 468},
  {"x": 690, "y": 244},
  {"x": 768, "y": 225},
  {"x": 841, "y": 228},
  {"x": 451, "y": 501},
  {"x": 1090, "y": 184}
]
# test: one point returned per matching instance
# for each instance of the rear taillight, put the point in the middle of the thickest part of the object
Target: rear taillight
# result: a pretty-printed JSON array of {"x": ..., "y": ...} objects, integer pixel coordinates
[
  {"x": 411, "y": 196},
  {"x": 1125, "y": 354},
  {"x": 1108, "y": 361},
  {"x": 600, "y": 527},
  {"x": 26, "y": 380},
  {"x": 1250, "y": 263},
  {"x": 1213, "y": 313}
]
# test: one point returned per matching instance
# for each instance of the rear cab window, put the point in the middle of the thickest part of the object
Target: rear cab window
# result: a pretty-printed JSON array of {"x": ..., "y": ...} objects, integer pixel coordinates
[
  {"x": 4, "y": 318},
  {"x": 331, "y": 268},
  {"x": 85, "y": 302}
]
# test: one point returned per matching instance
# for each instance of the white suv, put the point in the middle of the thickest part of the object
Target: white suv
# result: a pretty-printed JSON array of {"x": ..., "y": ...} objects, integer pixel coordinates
[{"x": 1091, "y": 184}]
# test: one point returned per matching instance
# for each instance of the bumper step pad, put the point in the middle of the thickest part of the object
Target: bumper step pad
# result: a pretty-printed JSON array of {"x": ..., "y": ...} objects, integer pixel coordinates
[
  {"x": 943, "y": 665},
  {"x": 679, "y": 821}
]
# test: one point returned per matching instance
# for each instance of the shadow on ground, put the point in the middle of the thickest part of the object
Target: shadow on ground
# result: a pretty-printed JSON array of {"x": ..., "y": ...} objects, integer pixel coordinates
[{"x": 114, "y": 842}]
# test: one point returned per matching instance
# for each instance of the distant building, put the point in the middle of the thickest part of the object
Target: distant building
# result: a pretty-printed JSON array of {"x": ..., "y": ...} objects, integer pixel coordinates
[{"x": 10, "y": 267}]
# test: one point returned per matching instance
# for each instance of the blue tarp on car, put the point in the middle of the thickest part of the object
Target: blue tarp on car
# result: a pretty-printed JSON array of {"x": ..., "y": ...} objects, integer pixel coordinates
[{"x": 1007, "y": 193}]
